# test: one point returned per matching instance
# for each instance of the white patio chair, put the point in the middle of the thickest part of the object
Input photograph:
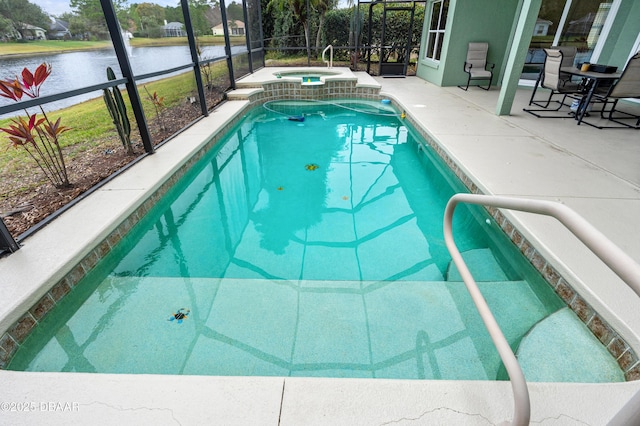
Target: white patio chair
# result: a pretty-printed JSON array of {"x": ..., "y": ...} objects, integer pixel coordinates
[{"x": 476, "y": 65}]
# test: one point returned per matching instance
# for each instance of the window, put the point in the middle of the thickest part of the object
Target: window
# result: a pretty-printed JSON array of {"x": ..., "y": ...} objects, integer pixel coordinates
[
  {"x": 568, "y": 23},
  {"x": 437, "y": 23}
]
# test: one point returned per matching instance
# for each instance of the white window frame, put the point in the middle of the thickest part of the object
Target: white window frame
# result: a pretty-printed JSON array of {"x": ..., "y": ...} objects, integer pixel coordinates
[{"x": 438, "y": 33}]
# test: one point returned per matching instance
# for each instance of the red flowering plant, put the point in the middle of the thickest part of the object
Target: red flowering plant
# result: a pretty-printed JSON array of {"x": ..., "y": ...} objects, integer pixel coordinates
[
  {"x": 39, "y": 136},
  {"x": 158, "y": 104}
]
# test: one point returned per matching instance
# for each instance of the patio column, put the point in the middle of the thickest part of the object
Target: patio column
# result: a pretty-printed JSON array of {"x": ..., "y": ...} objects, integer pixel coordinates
[{"x": 521, "y": 38}]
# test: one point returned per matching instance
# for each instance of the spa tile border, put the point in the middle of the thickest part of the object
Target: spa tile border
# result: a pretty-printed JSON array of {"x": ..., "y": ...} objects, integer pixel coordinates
[
  {"x": 625, "y": 356},
  {"x": 295, "y": 90},
  {"x": 617, "y": 347}
]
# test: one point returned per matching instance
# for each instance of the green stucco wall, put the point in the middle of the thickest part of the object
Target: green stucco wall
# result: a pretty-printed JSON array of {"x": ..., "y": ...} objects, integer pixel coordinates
[
  {"x": 468, "y": 21},
  {"x": 623, "y": 35}
]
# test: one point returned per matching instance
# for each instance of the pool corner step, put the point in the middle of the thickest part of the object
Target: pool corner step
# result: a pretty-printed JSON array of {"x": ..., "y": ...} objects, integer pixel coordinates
[
  {"x": 482, "y": 264},
  {"x": 560, "y": 348}
]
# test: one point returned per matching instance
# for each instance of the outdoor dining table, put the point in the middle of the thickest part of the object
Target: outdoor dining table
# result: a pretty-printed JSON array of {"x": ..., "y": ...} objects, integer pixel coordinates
[{"x": 595, "y": 78}]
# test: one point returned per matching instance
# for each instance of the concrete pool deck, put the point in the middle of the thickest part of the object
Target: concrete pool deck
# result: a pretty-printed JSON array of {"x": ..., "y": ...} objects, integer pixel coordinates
[{"x": 593, "y": 171}]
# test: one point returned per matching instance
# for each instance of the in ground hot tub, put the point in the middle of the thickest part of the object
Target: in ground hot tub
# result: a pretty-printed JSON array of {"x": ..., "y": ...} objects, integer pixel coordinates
[{"x": 308, "y": 77}]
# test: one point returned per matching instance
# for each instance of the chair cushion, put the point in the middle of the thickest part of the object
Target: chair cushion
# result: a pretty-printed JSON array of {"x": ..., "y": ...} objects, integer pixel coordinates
[{"x": 480, "y": 73}]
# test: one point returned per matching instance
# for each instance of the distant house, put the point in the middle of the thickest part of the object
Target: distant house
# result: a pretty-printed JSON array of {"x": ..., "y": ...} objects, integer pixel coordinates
[
  {"x": 59, "y": 30},
  {"x": 236, "y": 28},
  {"x": 542, "y": 27},
  {"x": 174, "y": 29},
  {"x": 31, "y": 32}
]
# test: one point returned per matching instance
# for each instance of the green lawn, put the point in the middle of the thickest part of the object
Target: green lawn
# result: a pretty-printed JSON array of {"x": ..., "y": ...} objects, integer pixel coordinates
[{"x": 49, "y": 46}]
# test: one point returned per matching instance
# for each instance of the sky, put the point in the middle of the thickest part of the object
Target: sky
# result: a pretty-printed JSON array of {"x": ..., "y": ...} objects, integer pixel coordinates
[
  {"x": 53, "y": 7},
  {"x": 58, "y": 7}
]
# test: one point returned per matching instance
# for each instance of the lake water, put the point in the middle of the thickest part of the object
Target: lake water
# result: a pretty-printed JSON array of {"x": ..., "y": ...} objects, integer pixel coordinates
[{"x": 75, "y": 70}]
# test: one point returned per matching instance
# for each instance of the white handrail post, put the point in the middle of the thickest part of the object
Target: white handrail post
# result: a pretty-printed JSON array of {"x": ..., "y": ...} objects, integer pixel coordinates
[
  {"x": 330, "y": 48},
  {"x": 616, "y": 259},
  {"x": 522, "y": 407}
]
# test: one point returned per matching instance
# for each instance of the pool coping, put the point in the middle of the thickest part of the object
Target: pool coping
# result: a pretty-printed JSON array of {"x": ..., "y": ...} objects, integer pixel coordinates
[{"x": 50, "y": 252}]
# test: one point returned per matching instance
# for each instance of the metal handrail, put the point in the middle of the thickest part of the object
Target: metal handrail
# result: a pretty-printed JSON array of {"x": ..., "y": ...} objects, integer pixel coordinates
[
  {"x": 616, "y": 259},
  {"x": 330, "y": 48}
]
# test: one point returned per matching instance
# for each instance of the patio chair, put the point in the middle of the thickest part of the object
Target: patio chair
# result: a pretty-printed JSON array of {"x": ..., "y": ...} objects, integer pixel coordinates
[
  {"x": 476, "y": 65},
  {"x": 627, "y": 86},
  {"x": 568, "y": 57},
  {"x": 550, "y": 78}
]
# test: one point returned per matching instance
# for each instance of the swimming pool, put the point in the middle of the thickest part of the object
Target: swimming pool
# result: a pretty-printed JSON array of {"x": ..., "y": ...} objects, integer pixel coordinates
[{"x": 304, "y": 252}]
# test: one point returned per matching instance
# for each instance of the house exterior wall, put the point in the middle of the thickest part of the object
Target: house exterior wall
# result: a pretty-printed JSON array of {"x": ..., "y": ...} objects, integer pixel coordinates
[
  {"x": 623, "y": 35},
  {"x": 473, "y": 20},
  {"x": 469, "y": 21},
  {"x": 235, "y": 28}
]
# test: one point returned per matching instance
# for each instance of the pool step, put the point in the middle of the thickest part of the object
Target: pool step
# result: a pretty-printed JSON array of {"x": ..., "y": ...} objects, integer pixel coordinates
[
  {"x": 561, "y": 348},
  {"x": 408, "y": 329},
  {"x": 557, "y": 348},
  {"x": 482, "y": 264},
  {"x": 244, "y": 93}
]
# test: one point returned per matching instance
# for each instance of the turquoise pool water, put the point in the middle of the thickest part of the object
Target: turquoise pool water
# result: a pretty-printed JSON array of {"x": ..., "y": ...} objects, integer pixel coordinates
[{"x": 299, "y": 248}]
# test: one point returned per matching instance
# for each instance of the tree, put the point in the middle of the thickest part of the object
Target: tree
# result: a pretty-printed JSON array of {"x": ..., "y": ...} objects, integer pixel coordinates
[
  {"x": 322, "y": 6},
  {"x": 128, "y": 18},
  {"x": 79, "y": 26},
  {"x": 213, "y": 15},
  {"x": 199, "y": 10},
  {"x": 22, "y": 13},
  {"x": 6, "y": 26},
  {"x": 88, "y": 9},
  {"x": 91, "y": 16},
  {"x": 173, "y": 14},
  {"x": 285, "y": 31},
  {"x": 150, "y": 14},
  {"x": 268, "y": 23},
  {"x": 235, "y": 12},
  {"x": 336, "y": 29},
  {"x": 299, "y": 10},
  {"x": 66, "y": 17}
]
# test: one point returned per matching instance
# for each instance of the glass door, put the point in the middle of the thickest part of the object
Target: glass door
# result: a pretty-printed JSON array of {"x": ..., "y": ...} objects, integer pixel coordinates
[
  {"x": 576, "y": 23},
  {"x": 583, "y": 26}
]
